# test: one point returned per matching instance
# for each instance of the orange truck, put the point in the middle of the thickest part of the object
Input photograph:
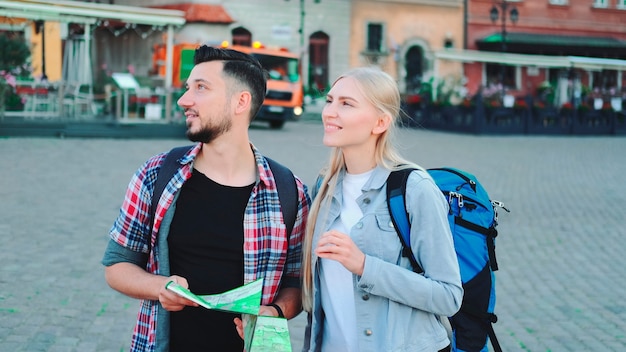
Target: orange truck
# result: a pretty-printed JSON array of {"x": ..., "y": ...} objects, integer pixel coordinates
[{"x": 285, "y": 91}]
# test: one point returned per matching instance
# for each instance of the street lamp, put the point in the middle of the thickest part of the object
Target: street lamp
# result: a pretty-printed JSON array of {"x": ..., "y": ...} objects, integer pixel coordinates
[
  {"x": 40, "y": 27},
  {"x": 301, "y": 29},
  {"x": 494, "y": 14}
]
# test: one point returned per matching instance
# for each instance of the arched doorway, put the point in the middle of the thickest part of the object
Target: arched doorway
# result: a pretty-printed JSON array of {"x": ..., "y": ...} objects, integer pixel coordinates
[
  {"x": 318, "y": 63},
  {"x": 414, "y": 66},
  {"x": 241, "y": 36}
]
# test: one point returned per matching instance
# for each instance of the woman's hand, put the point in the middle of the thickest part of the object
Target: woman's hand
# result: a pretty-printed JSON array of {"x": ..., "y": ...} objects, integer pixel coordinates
[{"x": 340, "y": 247}]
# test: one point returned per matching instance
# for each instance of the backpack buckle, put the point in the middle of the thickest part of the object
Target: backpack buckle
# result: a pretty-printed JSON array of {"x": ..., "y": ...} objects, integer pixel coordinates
[
  {"x": 497, "y": 204},
  {"x": 456, "y": 195}
]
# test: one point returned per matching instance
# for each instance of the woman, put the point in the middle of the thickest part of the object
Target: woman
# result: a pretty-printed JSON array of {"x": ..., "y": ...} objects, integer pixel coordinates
[{"x": 359, "y": 291}]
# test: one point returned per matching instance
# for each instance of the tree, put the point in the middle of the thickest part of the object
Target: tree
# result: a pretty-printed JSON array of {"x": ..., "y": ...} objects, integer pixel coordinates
[{"x": 13, "y": 58}]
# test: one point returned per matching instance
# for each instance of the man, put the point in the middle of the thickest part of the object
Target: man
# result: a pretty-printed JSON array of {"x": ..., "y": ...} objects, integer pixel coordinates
[{"x": 218, "y": 223}]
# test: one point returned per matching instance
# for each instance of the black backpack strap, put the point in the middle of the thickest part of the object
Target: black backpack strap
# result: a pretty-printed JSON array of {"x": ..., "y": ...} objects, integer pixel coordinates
[
  {"x": 287, "y": 192},
  {"x": 491, "y": 233},
  {"x": 396, "y": 191},
  {"x": 168, "y": 168},
  {"x": 285, "y": 183},
  {"x": 494, "y": 340}
]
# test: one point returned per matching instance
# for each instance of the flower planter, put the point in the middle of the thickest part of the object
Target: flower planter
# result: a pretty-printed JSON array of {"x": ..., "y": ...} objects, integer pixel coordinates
[
  {"x": 504, "y": 120},
  {"x": 549, "y": 120},
  {"x": 594, "y": 122}
]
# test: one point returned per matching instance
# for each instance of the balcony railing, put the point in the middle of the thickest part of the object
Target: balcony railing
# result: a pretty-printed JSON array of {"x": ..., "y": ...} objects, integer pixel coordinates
[{"x": 481, "y": 118}]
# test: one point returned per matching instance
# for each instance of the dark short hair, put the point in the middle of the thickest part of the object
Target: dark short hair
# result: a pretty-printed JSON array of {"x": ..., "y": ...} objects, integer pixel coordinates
[{"x": 240, "y": 66}]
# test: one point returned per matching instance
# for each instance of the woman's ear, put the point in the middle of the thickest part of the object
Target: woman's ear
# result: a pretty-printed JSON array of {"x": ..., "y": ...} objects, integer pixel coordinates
[{"x": 382, "y": 124}]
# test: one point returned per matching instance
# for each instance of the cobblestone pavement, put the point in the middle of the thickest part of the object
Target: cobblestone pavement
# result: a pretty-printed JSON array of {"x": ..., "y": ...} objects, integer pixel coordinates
[{"x": 561, "y": 249}]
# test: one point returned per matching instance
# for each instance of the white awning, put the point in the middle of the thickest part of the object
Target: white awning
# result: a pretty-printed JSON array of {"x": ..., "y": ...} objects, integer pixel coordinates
[
  {"x": 86, "y": 12},
  {"x": 89, "y": 14},
  {"x": 587, "y": 63},
  {"x": 597, "y": 64}
]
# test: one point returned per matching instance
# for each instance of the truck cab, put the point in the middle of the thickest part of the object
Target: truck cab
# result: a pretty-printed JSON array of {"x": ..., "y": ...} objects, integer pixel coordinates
[
  {"x": 285, "y": 90},
  {"x": 284, "y": 98}
]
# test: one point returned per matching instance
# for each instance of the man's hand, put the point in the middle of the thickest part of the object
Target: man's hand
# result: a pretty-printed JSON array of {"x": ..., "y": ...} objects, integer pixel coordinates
[
  {"x": 170, "y": 300},
  {"x": 263, "y": 310}
]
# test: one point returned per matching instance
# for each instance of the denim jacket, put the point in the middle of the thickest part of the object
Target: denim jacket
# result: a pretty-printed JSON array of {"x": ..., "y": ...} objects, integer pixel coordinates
[{"x": 397, "y": 309}]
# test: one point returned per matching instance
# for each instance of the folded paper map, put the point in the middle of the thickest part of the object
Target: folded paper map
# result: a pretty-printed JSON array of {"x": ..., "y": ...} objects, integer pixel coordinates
[
  {"x": 245, "y": 299},
  {"x": 266, "y": 334},
  {"x": 261, "y": 333}
]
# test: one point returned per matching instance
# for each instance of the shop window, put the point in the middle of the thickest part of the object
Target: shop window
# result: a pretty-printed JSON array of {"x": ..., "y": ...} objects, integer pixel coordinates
[
  {"x": 605, "y": 81},
  {"x": 494, "y": 73},
  {"x": 553, "y": 75},
  {"x": 621, "y": 4}
]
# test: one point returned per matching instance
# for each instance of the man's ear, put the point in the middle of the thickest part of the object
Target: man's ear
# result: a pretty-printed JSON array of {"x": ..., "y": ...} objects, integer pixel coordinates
[
  {"x": 243, "y": 102},
  {"x": 382, "y": 124}
]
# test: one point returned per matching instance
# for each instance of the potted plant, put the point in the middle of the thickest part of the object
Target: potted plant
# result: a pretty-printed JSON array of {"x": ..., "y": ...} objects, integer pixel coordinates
[
  {"x": 567, "y": 107},
  {"x": 520, "y": 104},
  {"x": 583, "y": 108}
]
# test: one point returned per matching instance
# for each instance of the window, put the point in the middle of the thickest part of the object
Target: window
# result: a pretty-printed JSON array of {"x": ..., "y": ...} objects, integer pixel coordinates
[
  {"x": 375, "y": 37},
  {"x": 558, "y": 2},
  {"x": 414, "y": 69},
  {"x": 241, "y": 36},
  {"x": 621, "y": 4},
  {"x": 279, "y": 68},
  {"x": 600, "y": 3},
  {"x": 495, "y": 72},
  {"x": 605, "y": 81}
]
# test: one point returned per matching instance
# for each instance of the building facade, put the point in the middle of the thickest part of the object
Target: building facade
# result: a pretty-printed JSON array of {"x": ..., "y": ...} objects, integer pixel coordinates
[
  {"x": 558, "y": 50},
  {"x": 402, "y": 36},
  {"x": 316, "y": 29},
  {"x": 580, "y": 43}
]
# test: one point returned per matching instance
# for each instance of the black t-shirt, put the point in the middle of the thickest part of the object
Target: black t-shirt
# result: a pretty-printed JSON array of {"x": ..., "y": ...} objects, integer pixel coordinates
[{"x": 206, "y": 247}]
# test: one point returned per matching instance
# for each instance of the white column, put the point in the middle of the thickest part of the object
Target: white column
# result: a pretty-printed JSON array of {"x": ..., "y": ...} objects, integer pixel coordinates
[
  {"x": 88, "y": 79},
  {"x": 169, "y": 71},
  {"x": 435, "y": 79}
]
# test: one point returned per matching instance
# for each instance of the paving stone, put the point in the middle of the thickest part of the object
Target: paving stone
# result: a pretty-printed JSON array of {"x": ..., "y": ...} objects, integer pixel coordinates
[{"x": 561, "y": 249}]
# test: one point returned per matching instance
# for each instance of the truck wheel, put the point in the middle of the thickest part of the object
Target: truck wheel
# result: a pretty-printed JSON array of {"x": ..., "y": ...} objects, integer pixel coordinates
[{"x": 276, "y": 124}]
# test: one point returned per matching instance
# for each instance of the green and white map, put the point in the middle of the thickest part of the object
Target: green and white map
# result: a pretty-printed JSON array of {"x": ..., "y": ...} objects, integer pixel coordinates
[{"x": 262, "y": 333}]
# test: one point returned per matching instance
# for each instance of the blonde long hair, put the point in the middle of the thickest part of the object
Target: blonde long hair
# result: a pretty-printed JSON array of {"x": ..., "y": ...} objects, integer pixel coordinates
[{"x": 381, "y": 90}]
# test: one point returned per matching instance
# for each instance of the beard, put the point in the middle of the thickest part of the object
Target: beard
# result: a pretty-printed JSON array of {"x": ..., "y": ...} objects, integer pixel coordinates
[{"x": 209, "y": 132}]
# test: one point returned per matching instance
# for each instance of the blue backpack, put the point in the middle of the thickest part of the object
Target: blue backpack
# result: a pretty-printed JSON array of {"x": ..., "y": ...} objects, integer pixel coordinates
[{"x": 473, "y": 220}]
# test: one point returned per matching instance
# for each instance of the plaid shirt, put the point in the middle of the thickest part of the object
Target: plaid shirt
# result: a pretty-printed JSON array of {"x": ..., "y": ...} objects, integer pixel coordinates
[{"x": 268, "y": 251}]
